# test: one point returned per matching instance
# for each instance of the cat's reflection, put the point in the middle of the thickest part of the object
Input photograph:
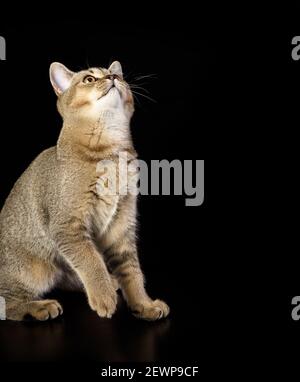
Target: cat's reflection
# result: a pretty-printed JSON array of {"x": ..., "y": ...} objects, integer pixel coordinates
[
  {"x": 124, "y": 338},
  {"x": 145, "y": 344},
  {"x": 33, "y": 341},
  {"x": 86, "y": 337}
]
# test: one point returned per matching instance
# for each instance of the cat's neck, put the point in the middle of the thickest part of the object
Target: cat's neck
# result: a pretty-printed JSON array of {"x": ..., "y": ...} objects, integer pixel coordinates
[{"x": 96, "y": 140}]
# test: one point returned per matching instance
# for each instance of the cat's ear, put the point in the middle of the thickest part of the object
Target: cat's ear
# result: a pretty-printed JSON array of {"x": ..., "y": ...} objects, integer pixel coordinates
[
  {"x": 60, "y": 77},
  {"x": 116, "y": 68}
]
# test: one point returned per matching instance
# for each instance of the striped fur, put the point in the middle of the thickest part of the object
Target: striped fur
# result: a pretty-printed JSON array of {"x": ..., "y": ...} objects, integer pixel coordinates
[{"x": 56, "y": 230}]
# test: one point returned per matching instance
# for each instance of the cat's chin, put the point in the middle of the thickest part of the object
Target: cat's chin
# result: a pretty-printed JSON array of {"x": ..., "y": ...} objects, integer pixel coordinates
[
  {"x": 112, "y": 99},
  {"x": 112, "y": 92}
]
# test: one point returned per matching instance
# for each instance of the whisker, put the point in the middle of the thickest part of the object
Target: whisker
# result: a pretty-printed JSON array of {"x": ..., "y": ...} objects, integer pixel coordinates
[
  {"x": 87, "y": 62},
  {"x": 136, "y": 98},
  {"x": 145, "y": 76},
  {"x": 139, "y": 87},
  {"x": 143, "y": 95},
  {"x": 128, "y": 74}
]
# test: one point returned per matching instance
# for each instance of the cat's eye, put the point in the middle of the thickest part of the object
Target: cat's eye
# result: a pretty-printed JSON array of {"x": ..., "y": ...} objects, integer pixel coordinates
[{"x": 89, "y": 79}]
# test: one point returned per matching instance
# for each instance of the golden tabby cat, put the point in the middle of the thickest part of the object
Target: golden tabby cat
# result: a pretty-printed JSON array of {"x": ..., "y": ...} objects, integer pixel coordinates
[{"x": 56, "y": 229}]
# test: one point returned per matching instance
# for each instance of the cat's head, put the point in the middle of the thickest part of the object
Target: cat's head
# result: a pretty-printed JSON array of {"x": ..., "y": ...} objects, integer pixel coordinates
[{"x": 89, "y": 94}]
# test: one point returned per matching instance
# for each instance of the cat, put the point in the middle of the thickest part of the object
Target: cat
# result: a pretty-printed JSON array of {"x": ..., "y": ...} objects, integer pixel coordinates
[{"x": 56, "y": 229}]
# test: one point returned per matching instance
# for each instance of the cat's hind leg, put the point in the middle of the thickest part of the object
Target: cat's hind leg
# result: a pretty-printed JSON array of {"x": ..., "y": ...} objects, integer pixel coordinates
[{"x": 23, "y": 289}]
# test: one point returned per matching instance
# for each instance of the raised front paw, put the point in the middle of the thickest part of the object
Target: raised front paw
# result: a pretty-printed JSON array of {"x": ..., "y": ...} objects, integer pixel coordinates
[
  {"x": 151, "y": 311},
  {"x": 103, "y": 300}
]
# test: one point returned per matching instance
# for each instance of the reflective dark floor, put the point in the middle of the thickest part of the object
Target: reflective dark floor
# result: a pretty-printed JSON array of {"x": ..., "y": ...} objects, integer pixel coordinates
[{"x": 81, "y": 335}]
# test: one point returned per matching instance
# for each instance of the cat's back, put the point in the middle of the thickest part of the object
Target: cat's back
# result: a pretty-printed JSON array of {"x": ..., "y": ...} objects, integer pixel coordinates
[{"x": 26, "y": 197}]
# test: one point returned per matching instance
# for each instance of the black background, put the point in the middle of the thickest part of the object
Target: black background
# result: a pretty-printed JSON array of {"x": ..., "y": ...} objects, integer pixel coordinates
[
  {"x": 177, "y": 244},
  {"x": 288, "y": 279}
]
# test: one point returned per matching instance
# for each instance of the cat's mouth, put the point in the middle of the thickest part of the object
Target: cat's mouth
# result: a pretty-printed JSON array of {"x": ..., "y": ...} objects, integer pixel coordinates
[{"x": 112, "y": 86}]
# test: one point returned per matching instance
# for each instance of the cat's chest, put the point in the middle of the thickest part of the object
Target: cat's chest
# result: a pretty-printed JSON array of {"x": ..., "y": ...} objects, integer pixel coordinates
[
  {"x": 114, "y": 181},
  {"x": 105, "y": 211},
  {"x": 107, "y": 197}
]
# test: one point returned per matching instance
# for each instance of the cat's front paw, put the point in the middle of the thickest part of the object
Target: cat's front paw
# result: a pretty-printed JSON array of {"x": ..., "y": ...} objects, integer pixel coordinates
[
  {"x": 104, "y": 301},
  {"x": 151, "y": 311}
]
